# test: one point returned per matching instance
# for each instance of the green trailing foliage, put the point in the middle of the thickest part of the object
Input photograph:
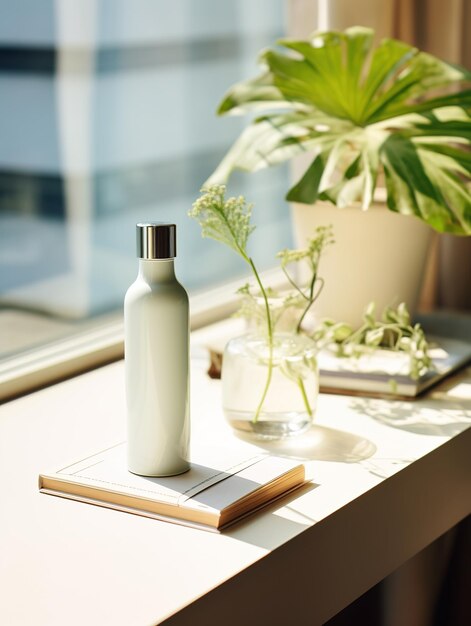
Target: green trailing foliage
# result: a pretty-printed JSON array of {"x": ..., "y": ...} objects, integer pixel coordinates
[
  {"x": 393, "y": 331},
  {"x": 360, "y": 111}
]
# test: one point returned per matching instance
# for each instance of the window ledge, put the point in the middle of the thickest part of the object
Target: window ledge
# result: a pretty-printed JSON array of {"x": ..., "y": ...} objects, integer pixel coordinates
[{"x": 102, "y": 344}]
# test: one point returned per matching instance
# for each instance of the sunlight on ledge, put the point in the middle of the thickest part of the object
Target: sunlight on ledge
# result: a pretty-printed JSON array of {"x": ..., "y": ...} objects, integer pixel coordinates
[{"x": 461, "y": 390}]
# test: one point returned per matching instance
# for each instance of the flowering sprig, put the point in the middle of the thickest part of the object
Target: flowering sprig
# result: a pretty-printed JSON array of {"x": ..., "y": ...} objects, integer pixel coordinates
[
  {"x": 310, "y": 255},
  {"x": 228, "y": 221}
]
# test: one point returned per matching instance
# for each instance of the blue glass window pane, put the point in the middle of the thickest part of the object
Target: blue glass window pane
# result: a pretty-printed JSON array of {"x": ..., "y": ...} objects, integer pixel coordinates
[{"x": 107, "y": 117}]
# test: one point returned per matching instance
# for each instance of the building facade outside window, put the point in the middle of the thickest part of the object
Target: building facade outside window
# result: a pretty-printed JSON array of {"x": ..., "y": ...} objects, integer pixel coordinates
[{"x": 107, "y": 118}]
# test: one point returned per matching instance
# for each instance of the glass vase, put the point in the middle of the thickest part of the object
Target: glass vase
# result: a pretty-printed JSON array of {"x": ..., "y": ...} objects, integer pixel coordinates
[{"x": 270, "y": 389}]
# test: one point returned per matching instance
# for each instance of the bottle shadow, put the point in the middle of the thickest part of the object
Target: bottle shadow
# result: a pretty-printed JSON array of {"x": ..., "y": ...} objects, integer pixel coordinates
[{"x": 319, "y": 443}]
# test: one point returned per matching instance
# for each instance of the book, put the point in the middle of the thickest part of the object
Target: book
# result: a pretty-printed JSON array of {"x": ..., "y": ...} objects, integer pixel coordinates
[
  {"x": 385, "y": 373},
  {"x": 221, "y": 487}
]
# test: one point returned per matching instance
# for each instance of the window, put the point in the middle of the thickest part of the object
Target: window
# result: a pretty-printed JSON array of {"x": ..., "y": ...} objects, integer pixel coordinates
[{"x": 107, "y": 117}]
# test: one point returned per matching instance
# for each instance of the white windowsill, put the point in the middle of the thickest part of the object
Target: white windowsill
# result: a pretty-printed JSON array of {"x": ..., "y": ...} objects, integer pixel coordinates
[{"x": 388, "y": 479}]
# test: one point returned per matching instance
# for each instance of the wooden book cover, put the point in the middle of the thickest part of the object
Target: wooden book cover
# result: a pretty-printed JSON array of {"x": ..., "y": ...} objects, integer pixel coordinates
[{"x": 220, "y": 488}]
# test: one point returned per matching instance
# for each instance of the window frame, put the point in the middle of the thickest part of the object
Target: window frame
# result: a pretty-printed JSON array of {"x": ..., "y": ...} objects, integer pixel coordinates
[{"x": 61, "y": 359}]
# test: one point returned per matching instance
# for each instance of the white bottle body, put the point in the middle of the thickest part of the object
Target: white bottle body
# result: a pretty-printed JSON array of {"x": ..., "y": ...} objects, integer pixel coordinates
[{"x": 157, "y": 371}]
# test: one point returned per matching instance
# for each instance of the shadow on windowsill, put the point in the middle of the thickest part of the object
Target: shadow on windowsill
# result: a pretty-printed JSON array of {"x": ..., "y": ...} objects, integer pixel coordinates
[
  {"x": 319, "y": 443},
  {"x": 439, "y": 418}
]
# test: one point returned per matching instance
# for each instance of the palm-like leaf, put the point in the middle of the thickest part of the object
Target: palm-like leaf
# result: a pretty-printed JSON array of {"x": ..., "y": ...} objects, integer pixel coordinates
[{"x": 359, "y": 111}]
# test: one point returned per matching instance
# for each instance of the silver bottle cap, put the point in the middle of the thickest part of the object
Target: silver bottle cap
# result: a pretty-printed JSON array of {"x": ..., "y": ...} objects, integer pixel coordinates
[{"x": 156, "y": 240}]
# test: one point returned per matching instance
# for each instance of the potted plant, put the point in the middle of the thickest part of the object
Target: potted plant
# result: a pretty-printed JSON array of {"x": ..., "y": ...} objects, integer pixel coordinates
[{"x": 361, "y": 122}]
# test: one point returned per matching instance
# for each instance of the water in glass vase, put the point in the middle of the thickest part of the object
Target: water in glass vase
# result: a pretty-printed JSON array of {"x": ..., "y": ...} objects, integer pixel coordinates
[{"x": 270, "y": 404}]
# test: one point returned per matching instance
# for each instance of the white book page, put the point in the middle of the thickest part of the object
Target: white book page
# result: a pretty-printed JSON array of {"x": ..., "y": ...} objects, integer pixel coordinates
[
  {"x": 248, "y": 480},
  {"x": 240, "y": 473}
]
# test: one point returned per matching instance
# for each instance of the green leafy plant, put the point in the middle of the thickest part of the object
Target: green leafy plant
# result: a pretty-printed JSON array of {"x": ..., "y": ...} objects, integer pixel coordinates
[
  {"x": 393, "y": 331},
  {"x": 361, "y": 111},
  {"x": 228, "y": 221}
]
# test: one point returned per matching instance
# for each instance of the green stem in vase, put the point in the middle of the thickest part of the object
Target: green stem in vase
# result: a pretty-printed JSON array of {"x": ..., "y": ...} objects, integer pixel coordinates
[
  {"x": 270, "y": 342},
  {"x": 304, "y": 395},
  {"x": 228, "y": 221}
]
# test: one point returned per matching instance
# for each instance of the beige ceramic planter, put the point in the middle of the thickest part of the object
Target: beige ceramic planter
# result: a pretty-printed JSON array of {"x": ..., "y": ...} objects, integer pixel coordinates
[{"x": 378, "y": 256}]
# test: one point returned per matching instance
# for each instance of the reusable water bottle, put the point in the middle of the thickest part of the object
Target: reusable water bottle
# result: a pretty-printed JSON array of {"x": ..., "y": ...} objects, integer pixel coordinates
[{"x": 157, "y": 358}]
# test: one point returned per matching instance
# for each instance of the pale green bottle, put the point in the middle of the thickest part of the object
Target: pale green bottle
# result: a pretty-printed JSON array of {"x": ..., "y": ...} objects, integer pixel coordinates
[{"x": 156, "y": 323}]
